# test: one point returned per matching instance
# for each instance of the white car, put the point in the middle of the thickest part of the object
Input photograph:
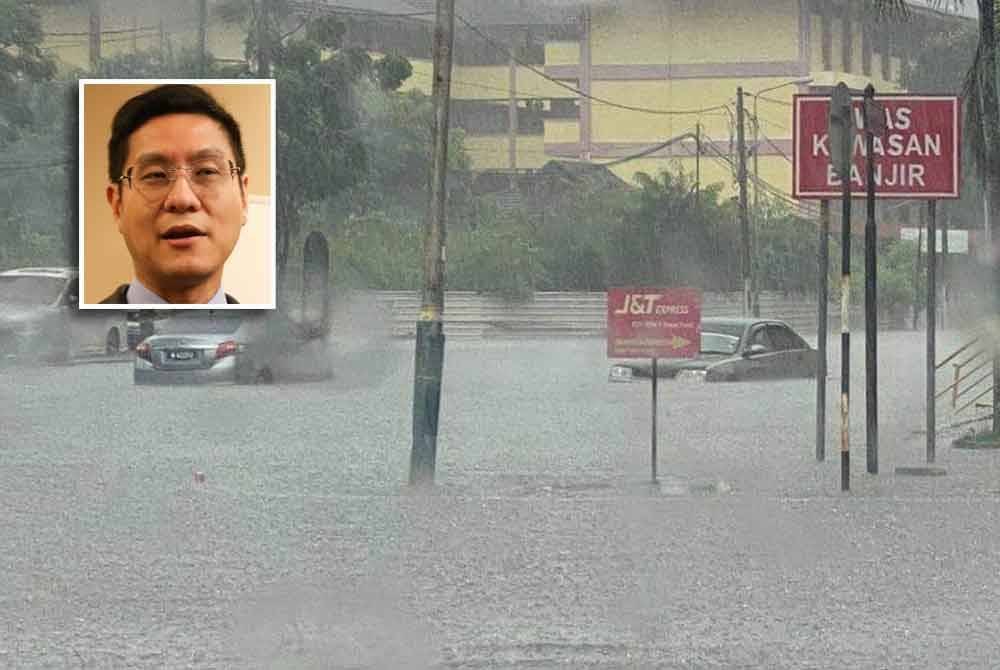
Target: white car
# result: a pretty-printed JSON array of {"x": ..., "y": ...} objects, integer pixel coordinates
[
  {"x": 40, "y": 318},
  {"x": 231, "y": 347}
]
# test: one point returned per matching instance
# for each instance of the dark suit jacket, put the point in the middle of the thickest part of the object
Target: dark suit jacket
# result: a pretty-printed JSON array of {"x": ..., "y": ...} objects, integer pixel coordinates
[{"x": 118, "y": 297}]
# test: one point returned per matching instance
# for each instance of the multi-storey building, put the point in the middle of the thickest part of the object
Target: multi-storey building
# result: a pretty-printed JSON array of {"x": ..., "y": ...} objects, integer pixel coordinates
[{"x": 637, "y": 85}]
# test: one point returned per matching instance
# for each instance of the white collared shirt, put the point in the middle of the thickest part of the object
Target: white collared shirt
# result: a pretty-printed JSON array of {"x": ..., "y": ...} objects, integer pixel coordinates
[{"x": 138, "y": 294}]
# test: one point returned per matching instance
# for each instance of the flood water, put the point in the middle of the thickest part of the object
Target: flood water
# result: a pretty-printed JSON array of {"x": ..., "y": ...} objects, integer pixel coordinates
[{"x": 272, "y": 526}]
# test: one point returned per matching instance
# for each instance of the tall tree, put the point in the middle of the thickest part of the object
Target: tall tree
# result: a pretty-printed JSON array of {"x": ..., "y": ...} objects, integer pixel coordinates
[
  {"x": 22, "y": 61},
  {"x": 321, "y": 150}
]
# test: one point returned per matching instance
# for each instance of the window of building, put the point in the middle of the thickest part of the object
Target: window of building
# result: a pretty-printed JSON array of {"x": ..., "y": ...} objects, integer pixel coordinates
[{"x": 563, "y": 108}]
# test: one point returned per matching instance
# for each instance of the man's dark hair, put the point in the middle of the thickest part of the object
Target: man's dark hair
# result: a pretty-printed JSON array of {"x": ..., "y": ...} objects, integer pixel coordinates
[{"x": 160, "y": 101}]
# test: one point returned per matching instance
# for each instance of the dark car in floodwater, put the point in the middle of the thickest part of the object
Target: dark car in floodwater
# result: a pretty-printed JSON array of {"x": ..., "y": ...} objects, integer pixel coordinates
[
  {"x": 231, "y": 347},
  {"x": 734, "y": 349}
]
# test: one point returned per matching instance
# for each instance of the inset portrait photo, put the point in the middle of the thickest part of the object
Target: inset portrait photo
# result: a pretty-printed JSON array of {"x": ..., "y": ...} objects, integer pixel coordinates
[{"x": 177, "y": 185}]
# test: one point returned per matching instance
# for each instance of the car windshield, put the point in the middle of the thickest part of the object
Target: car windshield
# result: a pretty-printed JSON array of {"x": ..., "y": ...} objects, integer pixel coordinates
[
  {"x": 719, "y": 343},
  {"x": 28, "y": 290},
  {"x": 199, "y": 325}
]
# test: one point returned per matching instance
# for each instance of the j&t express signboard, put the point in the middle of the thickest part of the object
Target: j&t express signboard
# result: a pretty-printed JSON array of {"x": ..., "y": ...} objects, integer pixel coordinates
[{"x": 654, "y": 322}]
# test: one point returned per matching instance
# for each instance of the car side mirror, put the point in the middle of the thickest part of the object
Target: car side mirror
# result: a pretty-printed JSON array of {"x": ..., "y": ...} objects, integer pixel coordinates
[{"x": 755, "y": 350}]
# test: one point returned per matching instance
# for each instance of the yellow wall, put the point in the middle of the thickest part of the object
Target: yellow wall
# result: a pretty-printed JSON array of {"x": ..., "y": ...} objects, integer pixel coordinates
[
  {"x": 656, "y": 32},
  {"x": 562, "y": 130},
  {"x": 816, "y": 42},
  {"x": 611, "y": 124},
  {"x": 487, "y": 151},
  {"x": 422, "y": 78},
  {"x": 836, "y": 45},
  {"x": 531, "y": 151},
  {"x": 562, "y": 53}
]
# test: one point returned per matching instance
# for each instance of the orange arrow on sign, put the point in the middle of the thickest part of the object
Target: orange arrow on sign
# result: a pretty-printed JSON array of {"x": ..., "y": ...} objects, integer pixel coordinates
[{"x": 678, "y": 342}]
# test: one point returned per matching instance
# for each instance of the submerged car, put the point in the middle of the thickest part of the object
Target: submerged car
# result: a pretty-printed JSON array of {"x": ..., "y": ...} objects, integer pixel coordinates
[
  {"x": 231, "y": 347},
  {"x": 734, "y": 349},
  {"x": 40, "y": 319}
]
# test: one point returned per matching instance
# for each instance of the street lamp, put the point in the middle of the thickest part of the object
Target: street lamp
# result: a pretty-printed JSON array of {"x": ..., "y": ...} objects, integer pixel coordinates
[{"x": 756, "y": 178}]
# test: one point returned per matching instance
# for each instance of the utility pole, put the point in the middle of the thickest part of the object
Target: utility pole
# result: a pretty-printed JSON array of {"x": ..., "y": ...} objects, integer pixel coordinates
[
  {"x": 264, "y": 39},
  {"x": 741, "y": 176},
  {"x": 931, "y": 327},
  {"x": 874, "y": 120},
  {"x": 697, "y": 161},
  {"x": 202, "y": 37},
  {"x": 429, "y": 350},
  {"x": 945, "y": 228},
  {"x": 754, "y": 218},
  {"x": 95, "y": 34},
  {"x": 512, "y": 111}
]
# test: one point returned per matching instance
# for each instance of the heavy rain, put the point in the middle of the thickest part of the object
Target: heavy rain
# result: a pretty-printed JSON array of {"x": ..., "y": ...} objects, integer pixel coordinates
[{"x": 391, "y": 424}]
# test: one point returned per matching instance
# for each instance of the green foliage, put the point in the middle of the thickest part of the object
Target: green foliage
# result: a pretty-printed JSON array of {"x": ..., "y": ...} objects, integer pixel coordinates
[
  {"x": 500, "y": 258},
  {"x": 326, "y": 32},
  {"x": 391, "y": 71},
  {"x": 672, "y": 235},
  {"x": 21, "y": 62},
  {"x": 375, "y": 252},
  {"x": 896, "y": 273},
  {"x": 35, "y": 179},
  {"x": 573, "y": 240},
  {"x": 785, "y": 250}
]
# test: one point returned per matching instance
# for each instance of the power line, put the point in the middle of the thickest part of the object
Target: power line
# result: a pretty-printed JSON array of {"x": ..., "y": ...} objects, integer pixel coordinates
[
  {"x": 807, "y": 211},
  {"x": 361, "y": 11},
  {"x": 775, "y": 146},
  {"x": 507, "y": 52},
  {"x": 784, "y": 103},
  {"x": 646, "y": 110},
  {"x": 103, "y": 32}
]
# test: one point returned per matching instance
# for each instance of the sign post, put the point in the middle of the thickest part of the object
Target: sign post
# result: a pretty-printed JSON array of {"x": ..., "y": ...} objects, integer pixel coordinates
[
  {"x": 653, "y": 323},
  {"x": 874, "y": 117},
  {"x": 912, "y": 151},
  {"x": 841, "y": 135}
]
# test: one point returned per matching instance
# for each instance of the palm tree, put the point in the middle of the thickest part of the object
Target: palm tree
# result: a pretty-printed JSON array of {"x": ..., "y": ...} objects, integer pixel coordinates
[{"x": 982, "y": 132}]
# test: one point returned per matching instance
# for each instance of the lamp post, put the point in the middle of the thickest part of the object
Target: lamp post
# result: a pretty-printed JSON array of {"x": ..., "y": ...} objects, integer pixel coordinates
[{"x": 756, "y": 177}]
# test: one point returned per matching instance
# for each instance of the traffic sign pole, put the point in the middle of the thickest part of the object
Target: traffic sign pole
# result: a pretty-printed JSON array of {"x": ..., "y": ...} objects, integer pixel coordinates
[
  {"x": 931, "y": 327},
  {"x": 874, "y": 118},
  {"x": 653, "y": 442},
  {"x": 841, "y": 142}
]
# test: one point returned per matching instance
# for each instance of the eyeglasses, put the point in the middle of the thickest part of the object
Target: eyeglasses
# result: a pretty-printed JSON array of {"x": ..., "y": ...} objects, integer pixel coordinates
[{"x": 154, "y": 181}]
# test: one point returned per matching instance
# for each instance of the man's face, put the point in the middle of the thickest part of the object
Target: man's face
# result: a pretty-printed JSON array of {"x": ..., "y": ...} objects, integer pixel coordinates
[{"x": 182, "y": 238}]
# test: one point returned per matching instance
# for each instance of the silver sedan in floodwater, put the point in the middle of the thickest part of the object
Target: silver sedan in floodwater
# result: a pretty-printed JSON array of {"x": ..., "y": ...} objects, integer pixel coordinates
[
  {"x": 230, "y": 347},
  {"x": 734, "y": 349}
]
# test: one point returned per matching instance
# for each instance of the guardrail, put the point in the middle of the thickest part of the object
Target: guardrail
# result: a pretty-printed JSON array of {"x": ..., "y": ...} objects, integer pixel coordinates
[
  {"x": 471, "y": 314},
  {"x": 966, "y": 361}
]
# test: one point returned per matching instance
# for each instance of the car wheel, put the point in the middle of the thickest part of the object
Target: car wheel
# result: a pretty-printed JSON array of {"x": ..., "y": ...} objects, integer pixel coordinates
[
  {"x": 112, "y": 343},
  {"x": 264, "y": 376}
]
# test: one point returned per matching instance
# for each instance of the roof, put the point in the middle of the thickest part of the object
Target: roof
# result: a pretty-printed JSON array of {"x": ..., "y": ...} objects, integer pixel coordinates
[
  {"x": 480, "y": 12},
  {"x": 59, "y": 273},
  {"x": 737, "y": 321},
  {"x": 594, "y": 174}
]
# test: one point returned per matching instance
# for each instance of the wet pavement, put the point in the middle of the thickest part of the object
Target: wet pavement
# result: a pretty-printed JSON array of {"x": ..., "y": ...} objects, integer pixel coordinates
[{"x": 272, "y": 527}]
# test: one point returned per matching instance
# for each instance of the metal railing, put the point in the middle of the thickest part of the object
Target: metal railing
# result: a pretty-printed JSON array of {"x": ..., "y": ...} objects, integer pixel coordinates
[{"x": 966, "y": 361}]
